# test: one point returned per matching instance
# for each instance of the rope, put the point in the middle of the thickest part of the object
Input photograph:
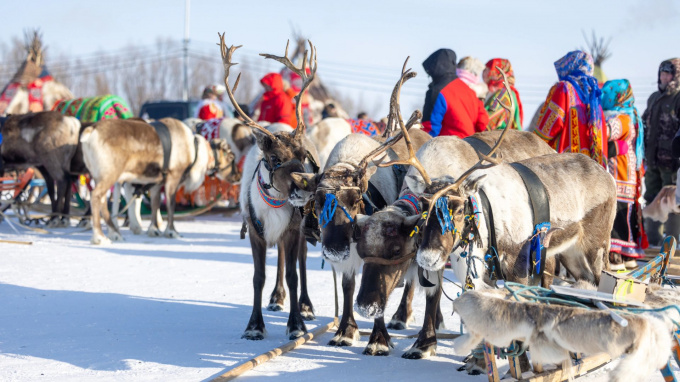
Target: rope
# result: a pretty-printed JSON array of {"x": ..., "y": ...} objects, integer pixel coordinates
[
  {"x": 328, "y": 211},
  {"x": 444, "y": 215}
]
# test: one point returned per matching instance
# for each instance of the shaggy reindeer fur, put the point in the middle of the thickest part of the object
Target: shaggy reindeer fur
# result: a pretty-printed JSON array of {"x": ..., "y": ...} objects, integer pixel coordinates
[
  {"x": 48, "y": 141},
  {"x": 131, "y": 151},
  {"x": 337, "y": 241},
  {"x": 387, "y": 233},
  {"x": 552, "y": 331},
  {"x": 665, "y": 202}
]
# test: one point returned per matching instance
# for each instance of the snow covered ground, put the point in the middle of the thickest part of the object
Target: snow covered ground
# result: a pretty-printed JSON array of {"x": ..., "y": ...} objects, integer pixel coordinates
[{"x": 154, "y": 309}]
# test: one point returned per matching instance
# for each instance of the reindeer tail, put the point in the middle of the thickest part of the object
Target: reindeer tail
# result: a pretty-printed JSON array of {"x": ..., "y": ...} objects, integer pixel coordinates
[
  {"x": 649, "y": 353},
  {"x": 86, "y": 134}
]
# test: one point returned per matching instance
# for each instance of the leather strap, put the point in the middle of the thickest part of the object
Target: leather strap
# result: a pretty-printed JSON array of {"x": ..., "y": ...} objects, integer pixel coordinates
[
  {"x": 164, "y": 135},
  {"x": 478, "y": 145},
  {"x": 540, "y": 207},
  {"x": 495, "y": 262}
]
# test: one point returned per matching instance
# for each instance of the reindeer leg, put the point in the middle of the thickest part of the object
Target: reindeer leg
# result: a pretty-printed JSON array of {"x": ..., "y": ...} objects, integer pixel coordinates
[
  {"x": 51, "y": 193},
  {"x": 348, "y": 330},
  {"x": 134, "y": 208},
  {"x": 426, "y": 344},
  {"x": 306, "y": 307},
  {"x": 278, "y": 296},
  {"x": 255, "y": 329},
  {"x": 404, "y": 313},
  {"x": 292, "y": 241},
  {"x": 171, "y": 202},
  {"x": 155, "y": 193},
  {"x": 379, "y": 343},
  {"x": 66, "y": 219},
  {"x": 62, "y": 184},
  {"x": 98, "y": 202}
]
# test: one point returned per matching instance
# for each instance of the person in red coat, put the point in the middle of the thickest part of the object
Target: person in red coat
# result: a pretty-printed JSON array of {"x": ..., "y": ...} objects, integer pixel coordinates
[
  {"x": 451, "y": 107},
  {"x": 276, "y": 105}
]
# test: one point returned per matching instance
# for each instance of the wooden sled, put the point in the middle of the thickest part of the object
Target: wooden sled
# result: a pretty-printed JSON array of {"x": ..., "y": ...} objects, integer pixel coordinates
[{"x": 655, "y": 271}]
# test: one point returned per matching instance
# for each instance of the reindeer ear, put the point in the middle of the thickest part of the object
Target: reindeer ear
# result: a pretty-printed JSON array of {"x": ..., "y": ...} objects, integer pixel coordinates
[
  {"x": 471, "y": 185},
  {"x": 415, "y": 184},
  {"x": 361, "y": 220},
  {"x": 264, "y": 141},
  {"x": 548, "y": 235},
  {"x": 305, "y": 181},
  {"x": 411, "y": 221}
]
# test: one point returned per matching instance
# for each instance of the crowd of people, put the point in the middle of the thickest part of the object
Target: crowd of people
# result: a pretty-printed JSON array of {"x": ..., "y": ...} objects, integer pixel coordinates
[{"x": 579, "y": 115}]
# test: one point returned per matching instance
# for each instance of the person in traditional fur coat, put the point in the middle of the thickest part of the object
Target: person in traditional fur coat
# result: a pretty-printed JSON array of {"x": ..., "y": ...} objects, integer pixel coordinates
[
  {"x": 662, "y": 118},
  {"x": 498, "y": 116},
  {"x": 451, "y": 107},
  {"x": 626, "y": 152},
  {"x": 571, "y": 118}
]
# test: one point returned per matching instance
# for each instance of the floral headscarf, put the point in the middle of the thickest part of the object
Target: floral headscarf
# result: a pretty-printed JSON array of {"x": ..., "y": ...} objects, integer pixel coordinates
[
  {"x": 577, "y": 68},
  {"x": 495, "y": 80},
  {"x": 617, "y": 95}
]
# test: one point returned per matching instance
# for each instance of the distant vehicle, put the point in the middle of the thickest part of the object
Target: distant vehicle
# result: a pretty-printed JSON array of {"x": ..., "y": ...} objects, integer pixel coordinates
[{"x": 169, "y": 109}]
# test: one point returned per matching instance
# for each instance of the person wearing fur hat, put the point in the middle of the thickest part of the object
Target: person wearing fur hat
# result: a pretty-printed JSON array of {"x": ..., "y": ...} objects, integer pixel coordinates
[
  {"x": 662, "y": 120},
  {"x": 498, "y": 116},
  {"x": 451, "y": 107},
  {"x": 469, "y": 70}
]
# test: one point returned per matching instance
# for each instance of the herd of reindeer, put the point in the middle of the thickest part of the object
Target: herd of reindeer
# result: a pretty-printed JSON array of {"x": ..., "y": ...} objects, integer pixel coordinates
[{"x": 399, "y": 206}]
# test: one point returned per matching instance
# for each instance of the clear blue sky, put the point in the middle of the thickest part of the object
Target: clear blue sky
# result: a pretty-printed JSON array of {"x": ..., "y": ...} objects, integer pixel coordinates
[{"x": 362, "y": 44}]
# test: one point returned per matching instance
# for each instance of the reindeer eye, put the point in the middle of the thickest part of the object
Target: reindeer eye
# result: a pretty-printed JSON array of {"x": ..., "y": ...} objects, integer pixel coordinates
[{"x": 274, "y": 160}]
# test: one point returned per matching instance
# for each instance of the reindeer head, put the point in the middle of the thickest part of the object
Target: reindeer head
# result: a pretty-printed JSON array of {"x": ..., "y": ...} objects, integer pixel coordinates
[
  {"x": 449, "y": 219},
  {"x": 338, "y": 192},
  {"x": 282, "y": 152},
  {"x": 223, "y": 162}
]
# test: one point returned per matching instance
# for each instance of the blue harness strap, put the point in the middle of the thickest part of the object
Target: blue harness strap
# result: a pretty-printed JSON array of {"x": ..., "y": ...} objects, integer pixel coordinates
[{"x": 328, "y": 211}]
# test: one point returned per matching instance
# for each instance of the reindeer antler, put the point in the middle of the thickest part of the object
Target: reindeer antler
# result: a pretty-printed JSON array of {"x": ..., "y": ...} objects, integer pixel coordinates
[
  {"x": 395, "y": 113},
  {"x": 307, "y": 80},
  {"x": 226, "y": 61},
  {"x": 479, "y": 165}
]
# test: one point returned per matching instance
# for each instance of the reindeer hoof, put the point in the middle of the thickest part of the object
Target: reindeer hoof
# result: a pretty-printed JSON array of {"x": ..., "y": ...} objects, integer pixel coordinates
[
  {"x": 172, "y": 234},
  {"x": 295, "y": 334},
  {"x": 55, "y": 222},
  {"x": 342, "y": 339},
  {"x": 253, "y": 335},
  {"x": 153, "y": 232},
  {"x": 397, "y": 325},
  {"x": 100, "y": 240},
  {"x": 377, "y": 349},
  {"x": 136, "y": 230},
  {"x": 274, "y": 307},
  {"x": 307, "y": 312},
  {"x": 115, "y": 236},
  {"x": 416, "y": 353},
  {"x": 84, "y": 223}
]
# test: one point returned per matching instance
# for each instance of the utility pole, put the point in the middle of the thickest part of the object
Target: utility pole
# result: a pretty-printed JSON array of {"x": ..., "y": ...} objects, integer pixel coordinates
[{"x": 185, "y": 91}]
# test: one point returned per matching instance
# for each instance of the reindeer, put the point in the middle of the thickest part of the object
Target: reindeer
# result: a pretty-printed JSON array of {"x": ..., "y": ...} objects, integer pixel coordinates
[
  {"x": 349, "y": 187},
  {"x": 265, "y": 189},
  {"x": 389, "y": 240},
  {"x": 581, "y": 215},
  {"x": 131, "y": 151},
  {"x": 48, "y": 141}
]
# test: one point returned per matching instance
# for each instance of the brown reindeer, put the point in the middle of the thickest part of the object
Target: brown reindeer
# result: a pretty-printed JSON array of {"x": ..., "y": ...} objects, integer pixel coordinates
[
  {"x": 265, "y": 189},
  {"x": 49, "y": 141},
  {"x": 119, "y": 150}
]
